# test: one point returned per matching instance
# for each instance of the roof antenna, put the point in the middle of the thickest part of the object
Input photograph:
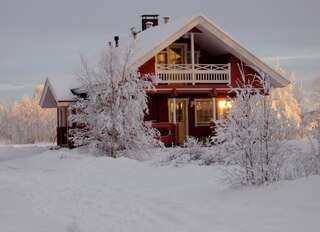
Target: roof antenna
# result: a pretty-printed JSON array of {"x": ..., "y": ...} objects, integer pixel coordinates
[{"x": 134, "y": 32}]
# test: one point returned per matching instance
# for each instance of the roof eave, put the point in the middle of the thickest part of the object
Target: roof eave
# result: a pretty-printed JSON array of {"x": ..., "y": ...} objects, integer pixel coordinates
[{"x": 243, "y": 53}]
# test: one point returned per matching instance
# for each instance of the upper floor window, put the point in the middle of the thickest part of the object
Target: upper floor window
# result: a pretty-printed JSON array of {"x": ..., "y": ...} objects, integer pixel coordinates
[{"x": 174, "y": 54}]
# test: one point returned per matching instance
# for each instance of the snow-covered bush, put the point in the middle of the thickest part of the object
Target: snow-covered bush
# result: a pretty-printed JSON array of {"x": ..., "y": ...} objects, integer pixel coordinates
[
  {"x": 26, "y": 122},
  {"x": 300, "y": 159},
  {"x": 110, "y": 117},
  {"x": 192, "y": 150},
  {"x": 253, "y": 133}
]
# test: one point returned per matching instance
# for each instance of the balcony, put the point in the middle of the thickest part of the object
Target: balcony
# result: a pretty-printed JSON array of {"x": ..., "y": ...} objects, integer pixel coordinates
[{"x": 196, "y": 73}]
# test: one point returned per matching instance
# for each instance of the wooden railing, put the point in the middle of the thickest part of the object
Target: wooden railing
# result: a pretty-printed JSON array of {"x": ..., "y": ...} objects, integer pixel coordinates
[
  {"x": 168, "y": 131},
  {"x": 197, "y": 73}
]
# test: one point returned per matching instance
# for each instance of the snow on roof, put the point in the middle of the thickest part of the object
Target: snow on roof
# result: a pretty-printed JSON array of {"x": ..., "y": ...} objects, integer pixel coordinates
[
  {"x": 150, "y": 41},
  {"x": 57, "y": 89},
  {"x": 62, "y": 87}
]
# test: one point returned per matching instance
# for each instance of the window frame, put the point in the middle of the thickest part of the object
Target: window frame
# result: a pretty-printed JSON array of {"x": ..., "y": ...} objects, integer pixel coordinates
[
  {"x": 184, "y": 47},
  {"x": 201, "y": 124}
]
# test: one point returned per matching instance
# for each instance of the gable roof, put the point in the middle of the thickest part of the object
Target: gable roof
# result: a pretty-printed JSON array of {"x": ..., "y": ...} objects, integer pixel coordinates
[
  {"x": 151, "y": 41},
  {"x": 57, "y": 90}
]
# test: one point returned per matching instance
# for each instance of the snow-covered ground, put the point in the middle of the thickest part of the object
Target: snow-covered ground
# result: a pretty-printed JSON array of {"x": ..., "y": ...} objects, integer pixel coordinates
[
  {"x": 9, "y": 152},
  {"x": 65, "y": 191}
]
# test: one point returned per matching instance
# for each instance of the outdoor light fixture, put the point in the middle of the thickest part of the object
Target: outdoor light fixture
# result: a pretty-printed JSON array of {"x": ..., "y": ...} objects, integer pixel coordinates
[{"x": 224, "y": 104}]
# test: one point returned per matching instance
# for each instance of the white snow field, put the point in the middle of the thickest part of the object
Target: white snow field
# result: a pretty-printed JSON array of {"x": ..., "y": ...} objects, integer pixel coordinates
[{"x": 57, "y": 191}]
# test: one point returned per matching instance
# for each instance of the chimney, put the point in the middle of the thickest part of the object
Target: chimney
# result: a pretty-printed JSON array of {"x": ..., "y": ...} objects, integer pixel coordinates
[
  {"x": 166, "y": 19},
  {"x": 116, "y": 40},
  {"x": 146, "y": 18}
]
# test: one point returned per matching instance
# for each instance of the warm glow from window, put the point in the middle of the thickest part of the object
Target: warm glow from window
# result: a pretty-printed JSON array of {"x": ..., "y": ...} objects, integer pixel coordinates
[{"x": 224, "y": 106}]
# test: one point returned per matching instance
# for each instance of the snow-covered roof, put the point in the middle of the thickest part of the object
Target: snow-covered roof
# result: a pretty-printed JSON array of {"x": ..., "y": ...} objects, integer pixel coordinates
[
  {"x": 151, "y": 41},
  {"x": 57, "y": 89}
]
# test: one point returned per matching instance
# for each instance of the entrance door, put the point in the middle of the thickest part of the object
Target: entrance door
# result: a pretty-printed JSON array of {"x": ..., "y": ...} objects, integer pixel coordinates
[{"x": 181, "y": 116}]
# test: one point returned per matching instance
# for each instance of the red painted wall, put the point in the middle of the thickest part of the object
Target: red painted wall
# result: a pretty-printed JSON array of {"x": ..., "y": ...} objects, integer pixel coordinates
[
  {"x": 158, "y": 112},
  {"x": 235, "y": 71},
  {"x": 148, "y": 67},
  {"x": 158, "y": 102}
]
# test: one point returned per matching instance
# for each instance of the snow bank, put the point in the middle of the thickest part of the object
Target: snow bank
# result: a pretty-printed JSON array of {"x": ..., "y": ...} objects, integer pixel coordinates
[{"x": 65, "y": 191}]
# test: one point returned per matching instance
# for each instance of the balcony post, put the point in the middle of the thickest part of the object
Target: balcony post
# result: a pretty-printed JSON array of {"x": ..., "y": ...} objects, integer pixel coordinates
[
  {"x": 192, "y": 56},
  {"x": 229, "y": 67}
]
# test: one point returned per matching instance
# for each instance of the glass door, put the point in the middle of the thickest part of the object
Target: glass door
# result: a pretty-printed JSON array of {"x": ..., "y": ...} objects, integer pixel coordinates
[{"x": 181, "y": 117}]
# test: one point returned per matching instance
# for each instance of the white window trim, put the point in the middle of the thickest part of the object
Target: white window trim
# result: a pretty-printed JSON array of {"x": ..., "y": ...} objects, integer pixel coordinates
[{"x": 213, "y": 111}]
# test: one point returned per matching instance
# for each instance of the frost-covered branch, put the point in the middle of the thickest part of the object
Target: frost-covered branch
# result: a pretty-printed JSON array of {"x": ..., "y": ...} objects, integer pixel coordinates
[{"x": 110, "y": 117}]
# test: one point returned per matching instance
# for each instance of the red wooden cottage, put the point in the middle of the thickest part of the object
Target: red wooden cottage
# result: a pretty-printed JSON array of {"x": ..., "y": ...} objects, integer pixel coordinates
[{"x": 196, "y": 63}]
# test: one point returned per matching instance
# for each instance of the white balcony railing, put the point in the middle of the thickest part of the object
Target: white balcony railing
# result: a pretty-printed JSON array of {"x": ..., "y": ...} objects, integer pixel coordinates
[{"x": 197, "y": 73}]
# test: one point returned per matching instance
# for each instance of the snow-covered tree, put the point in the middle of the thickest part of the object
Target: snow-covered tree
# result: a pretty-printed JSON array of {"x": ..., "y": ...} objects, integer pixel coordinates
[
  {"x": 253, "y": 131},
  {"x": 315, "y": 94},
  {"x": 26, "y": 122},
  {"x": 4, "y": 132},
  {"x": 288, "y": 102},
  {"x": 316, "y": 133},
  {"x": 110, "y": 117}
]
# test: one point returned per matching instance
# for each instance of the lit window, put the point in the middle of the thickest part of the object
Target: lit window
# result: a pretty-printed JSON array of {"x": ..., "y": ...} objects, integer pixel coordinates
[
  {"x": 162, "y": 57},
  {"x": 224, "y": 107},
  {"x": 174, "y": 54},
  {"x": 203, "y": 112}
]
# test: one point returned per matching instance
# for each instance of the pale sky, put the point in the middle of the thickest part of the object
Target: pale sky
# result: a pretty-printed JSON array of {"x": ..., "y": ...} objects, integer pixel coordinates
[{"x": 41, "y": 38}]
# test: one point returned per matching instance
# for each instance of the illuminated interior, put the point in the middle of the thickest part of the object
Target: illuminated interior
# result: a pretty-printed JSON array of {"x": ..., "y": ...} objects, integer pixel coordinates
[
  {"x": 203, "y": 112},
  {"x": 224, "y": 107},
  {"x": 174, "y": 54}
]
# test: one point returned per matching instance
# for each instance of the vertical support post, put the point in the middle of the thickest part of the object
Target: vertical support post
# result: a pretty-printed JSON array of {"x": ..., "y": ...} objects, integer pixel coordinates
[
  {"x": 229, "y": 67},
  {"x": 192, "y": 56},
  {"x": 174, "y": 120},
  {"x": 213, "y": 108},
  {"x": 58, "y": 116}
]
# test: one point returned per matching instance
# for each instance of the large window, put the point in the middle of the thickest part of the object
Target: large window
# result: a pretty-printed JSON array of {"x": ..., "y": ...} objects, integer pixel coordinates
[
  {"x": 174, "y": 54},
  {"x": 204, "y": 111}
]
